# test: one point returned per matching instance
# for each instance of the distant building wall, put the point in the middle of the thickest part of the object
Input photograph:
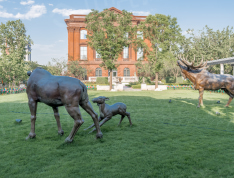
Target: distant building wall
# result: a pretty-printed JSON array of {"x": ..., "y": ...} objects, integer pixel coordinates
[{"x": 78, "y": 49}]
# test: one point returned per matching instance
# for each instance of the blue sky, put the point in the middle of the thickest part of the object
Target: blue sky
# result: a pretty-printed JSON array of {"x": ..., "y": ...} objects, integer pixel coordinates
[{"x": 44, "y": 19}]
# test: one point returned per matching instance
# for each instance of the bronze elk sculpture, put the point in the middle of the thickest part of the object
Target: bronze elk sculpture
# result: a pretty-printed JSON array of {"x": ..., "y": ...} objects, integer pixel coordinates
[
  {"x": 204, "y": 80},
  {"x": 57, "y": 91}
]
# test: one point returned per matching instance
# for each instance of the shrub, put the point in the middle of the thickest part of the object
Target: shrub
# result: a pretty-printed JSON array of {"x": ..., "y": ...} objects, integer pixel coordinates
[
  {"x": 136, "y": 86},
  {"x": 180, "y": 80},
  {"x": 163, "y": 81},
  {"x": 170, "y": 79},
  {"x": 179, "y": 84},
  {"x": 102, "y": 80}
]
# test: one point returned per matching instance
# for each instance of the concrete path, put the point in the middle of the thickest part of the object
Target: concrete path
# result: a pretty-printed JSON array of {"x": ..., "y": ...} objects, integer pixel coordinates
[{"x": 126, "y": 88}]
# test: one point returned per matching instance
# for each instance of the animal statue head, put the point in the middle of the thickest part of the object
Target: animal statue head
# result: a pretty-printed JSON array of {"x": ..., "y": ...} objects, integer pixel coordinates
[
  {"x": 100, "y": 100},
  {"x": 188, "y": 68}
]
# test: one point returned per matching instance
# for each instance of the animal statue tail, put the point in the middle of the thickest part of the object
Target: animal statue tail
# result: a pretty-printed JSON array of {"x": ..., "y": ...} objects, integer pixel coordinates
[{"x": 84, "y": 96}]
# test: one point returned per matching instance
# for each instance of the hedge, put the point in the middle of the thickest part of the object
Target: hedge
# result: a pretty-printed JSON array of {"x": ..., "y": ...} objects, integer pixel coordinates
[
  {"x": 136, "y": 86},
  {"x": 102, "y": 80}
]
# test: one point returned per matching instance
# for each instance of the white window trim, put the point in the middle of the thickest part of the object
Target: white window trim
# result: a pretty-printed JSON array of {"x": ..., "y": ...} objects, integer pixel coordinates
[
  {"x": 82, "y": 55},
  {"x": 139, "y": 54},
  {"x": 83, "y": 34},
  {"x": 126, "y": 49}
]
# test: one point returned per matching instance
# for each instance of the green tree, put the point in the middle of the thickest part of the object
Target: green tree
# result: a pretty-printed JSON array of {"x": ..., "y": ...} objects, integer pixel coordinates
[
  {"x": 108, "y": 33},
  {"x": 13, "y": 41},
  {"x": 57, "y": 66},
  {"x": 208, "y": 44},
  {"x": 76, "y": 70},
  {"x": 164, "y": 35},
  {"x": 33, "y": 65}
]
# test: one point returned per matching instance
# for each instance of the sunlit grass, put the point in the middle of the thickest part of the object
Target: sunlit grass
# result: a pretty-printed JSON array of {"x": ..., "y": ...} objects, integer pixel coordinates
[{"x": 166, "y": 140}]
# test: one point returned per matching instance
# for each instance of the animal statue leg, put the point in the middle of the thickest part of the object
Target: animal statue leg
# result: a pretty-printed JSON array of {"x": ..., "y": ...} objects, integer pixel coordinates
[
  {"x": 124, "y": 113},
  {"x": 122, "y": 117},
  {"x": 99, "y": 119},
  {"x": 89, "y": 109},
  {"x": 103, "y": 121},
  {"x": 56, "y": 115},
  {"x": 33, "y": 109},
  {"x": 78, "y": 121},
  {"x": 128, "y": 115},
  {"x": 201, "y": 91},
  {"x": 229, "y": 101}
]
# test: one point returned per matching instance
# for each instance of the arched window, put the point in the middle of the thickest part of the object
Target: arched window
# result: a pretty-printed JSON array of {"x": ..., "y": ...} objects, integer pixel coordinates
[
  {"x": 126, "y": 72},
  {"x": 83, "y": 34},
  {"x": 98, "y": 72}
]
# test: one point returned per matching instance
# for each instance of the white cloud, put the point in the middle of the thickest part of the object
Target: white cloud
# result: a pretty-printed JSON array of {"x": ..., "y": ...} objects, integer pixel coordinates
[
  {"x": 141, "y": 13},
  {"x": 51, "y": 5},
  {"x": 67, "y": 12},
  {"x": 1, "y": 7},
  {"x": 34, "y": 12},
  {"x": 29, "y": 2}
]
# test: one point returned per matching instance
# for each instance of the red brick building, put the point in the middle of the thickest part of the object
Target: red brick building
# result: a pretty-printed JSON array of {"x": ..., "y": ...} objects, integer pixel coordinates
[{"x": 78, "y": 49}]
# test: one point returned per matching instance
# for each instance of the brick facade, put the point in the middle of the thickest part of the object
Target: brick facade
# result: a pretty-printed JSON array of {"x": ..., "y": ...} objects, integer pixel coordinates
[{"x": 75, "y": 24}]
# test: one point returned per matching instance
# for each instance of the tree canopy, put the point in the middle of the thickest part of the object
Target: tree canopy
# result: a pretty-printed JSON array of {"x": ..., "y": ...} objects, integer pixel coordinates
[
  {"x": 164, "y": 35},
  {"x": 108, "y": 33},
  {"x": 13, "y": 42}
]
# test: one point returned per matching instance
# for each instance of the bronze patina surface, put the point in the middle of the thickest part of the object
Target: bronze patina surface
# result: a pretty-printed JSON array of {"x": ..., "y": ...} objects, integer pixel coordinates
[
  {"x": 204, "y": 80},
  {"x": 107, "y": 111},
  {"x": 58, "y": 91}
]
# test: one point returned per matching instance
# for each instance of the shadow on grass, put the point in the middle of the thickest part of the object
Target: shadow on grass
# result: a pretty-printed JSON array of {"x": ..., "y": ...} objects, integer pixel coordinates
[
  {"x": 182, "y": 111},
  {"x": 166, "y": 139}
]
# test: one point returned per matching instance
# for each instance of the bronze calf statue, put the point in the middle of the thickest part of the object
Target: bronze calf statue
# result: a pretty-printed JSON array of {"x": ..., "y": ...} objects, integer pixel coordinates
[
  {"x": 58, "y": 91},
  {"x": 203, "y": 80},
  {"x": 107, "y": 111}
]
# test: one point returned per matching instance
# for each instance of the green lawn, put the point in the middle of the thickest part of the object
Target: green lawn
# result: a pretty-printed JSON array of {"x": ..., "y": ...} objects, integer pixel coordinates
[{"x": 166, "y": 140}]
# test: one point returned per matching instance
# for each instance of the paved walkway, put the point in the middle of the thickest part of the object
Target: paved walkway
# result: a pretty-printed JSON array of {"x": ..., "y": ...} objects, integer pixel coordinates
[{"x": 126, "y": 88}]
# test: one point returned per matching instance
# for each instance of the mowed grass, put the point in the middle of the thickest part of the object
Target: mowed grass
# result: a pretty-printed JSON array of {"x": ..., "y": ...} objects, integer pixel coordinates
[{"x": 166, "y": 140}]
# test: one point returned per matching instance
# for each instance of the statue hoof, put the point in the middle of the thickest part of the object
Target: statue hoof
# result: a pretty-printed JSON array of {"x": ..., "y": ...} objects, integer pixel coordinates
[
  {"x": 68, "y": 140},
  {"x": 31, "y": 135},
  {"x": 61, "y": 132},
  {"x": 99, "y": 135}
]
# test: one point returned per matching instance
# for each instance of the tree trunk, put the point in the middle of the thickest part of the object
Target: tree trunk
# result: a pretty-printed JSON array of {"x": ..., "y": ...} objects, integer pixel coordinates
[
  {"x": 110, "y": 79},
  {"x": 156, "y": 80}
]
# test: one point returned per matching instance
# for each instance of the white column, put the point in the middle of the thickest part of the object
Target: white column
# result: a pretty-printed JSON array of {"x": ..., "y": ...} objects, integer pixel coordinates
[{"x": 221, "y": 68}]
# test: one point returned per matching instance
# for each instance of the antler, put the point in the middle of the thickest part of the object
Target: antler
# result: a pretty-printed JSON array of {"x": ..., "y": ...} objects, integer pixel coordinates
[{"x": 201, "y": 65}]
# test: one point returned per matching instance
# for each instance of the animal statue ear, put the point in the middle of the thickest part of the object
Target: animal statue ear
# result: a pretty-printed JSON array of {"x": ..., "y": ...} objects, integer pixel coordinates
[{"x": 106, "y": 99}]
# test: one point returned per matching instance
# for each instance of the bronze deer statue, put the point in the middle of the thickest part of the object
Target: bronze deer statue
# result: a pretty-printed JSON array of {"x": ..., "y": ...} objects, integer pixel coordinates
[
  {"x": 108, "y": 111},
  {"x": 204, "y": 80},
  {"x": 57, "y": 91}
]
